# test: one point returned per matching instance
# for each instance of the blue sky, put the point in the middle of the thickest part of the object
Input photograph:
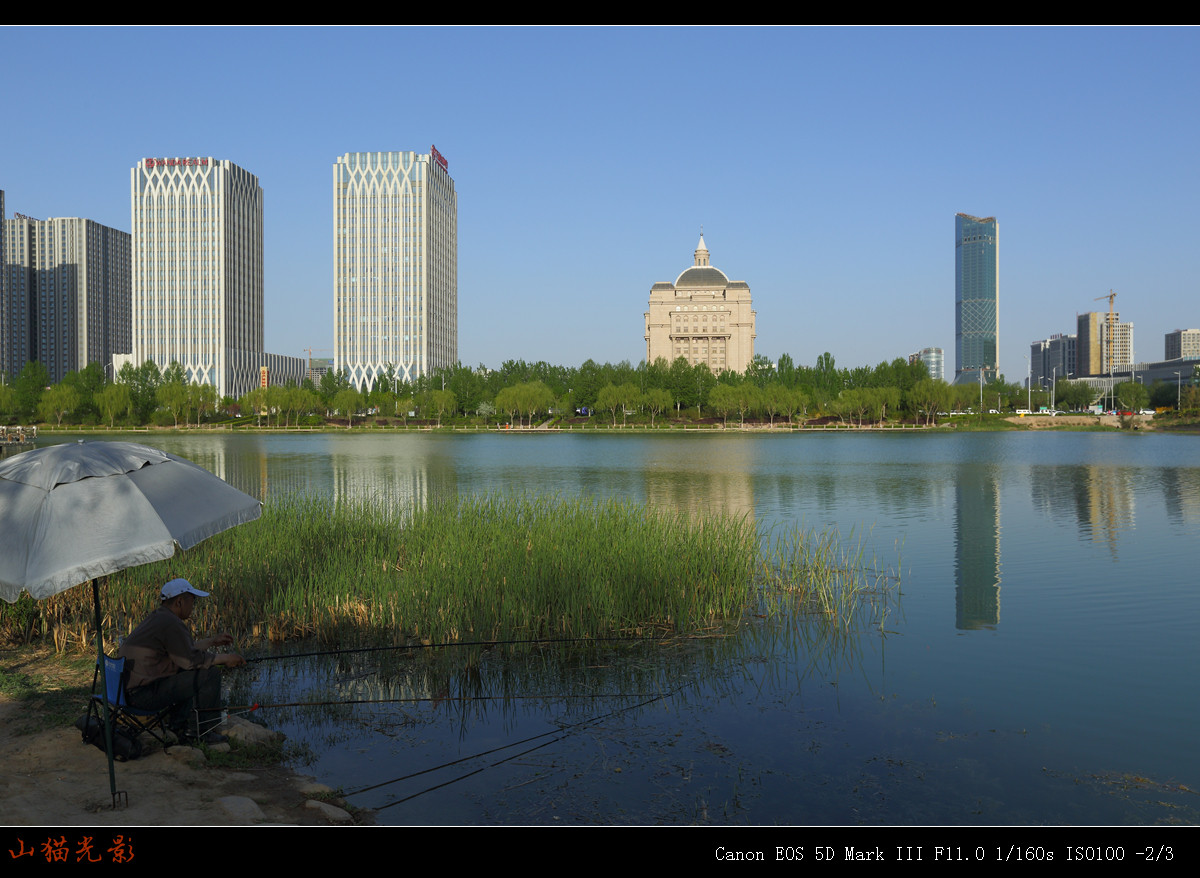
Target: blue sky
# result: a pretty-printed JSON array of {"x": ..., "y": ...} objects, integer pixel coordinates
[{"x": 826, "y": 166}]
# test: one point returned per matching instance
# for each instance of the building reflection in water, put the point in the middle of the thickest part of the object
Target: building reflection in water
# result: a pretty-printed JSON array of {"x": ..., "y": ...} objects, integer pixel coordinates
[
  {"x": 977, "y": 547},
  {"x": 1101, "y": 499}
]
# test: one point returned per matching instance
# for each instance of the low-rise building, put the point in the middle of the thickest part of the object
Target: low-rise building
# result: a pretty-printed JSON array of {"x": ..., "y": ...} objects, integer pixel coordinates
[{"x": 703, "y": 317}]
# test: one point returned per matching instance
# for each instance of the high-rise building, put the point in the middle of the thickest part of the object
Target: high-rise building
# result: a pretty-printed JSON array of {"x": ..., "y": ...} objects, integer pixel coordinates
[
  {"x": 703, "y": 317},
  {"x": 1177, "y": 344},
  {"x": 1104, "y": 344},
  {"x": 67, "y": 294},
  {"x": 4, "y": 315},
  {"x": 395, "y": 265},
  {"x": 198, "y": 273},
  {"x": 1051, "y": 360},
  {"x": 934, "y": 360},
  {"x": 976, "y": 297}
]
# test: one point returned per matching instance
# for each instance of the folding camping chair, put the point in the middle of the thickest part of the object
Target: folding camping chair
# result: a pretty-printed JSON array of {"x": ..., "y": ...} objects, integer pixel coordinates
[{"x": 128, "y": 722}]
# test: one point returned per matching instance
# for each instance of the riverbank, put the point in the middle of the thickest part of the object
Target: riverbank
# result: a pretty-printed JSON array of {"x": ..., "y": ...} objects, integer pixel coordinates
[
  {"x": 49, "y": 777},
  {"x": 994, "y": 423}
]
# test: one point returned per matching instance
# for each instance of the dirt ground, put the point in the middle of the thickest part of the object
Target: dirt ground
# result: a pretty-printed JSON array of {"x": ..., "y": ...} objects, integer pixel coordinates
[
  {"x": 49, "y": 777},
  {"x": 1039, "y": 422}
]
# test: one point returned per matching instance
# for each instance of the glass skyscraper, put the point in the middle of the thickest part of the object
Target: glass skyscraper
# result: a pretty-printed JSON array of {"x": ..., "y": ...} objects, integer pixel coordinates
[{"x": 976, "y": 297}]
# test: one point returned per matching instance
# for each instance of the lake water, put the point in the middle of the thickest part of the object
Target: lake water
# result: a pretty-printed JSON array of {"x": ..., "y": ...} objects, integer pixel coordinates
[{"x": 1036, "y": 664}]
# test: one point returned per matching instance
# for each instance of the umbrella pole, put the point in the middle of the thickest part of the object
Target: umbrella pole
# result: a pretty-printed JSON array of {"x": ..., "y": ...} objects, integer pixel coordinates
[{"x": 108, "y": 730}]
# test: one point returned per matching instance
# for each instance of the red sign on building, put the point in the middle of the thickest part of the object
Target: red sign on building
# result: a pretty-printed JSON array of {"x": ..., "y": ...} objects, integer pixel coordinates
[{"x": 176, "y": 163}]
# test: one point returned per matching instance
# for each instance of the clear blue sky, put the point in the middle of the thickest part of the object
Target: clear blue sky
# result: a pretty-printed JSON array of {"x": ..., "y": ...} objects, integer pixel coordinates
[{"x": 826, "y": 166}]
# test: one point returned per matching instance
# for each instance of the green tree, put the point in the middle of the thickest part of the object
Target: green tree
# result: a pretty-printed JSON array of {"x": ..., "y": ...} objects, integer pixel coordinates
[
  {"x": 405, "y": 403},
  {"x": 87, "y": 382},
  {"x": 1075, "y": 395},
  {"x": 143, "y": 384},
  {"x": 174, "y": 398},
  {"x": 56, "y": 401},
  {"x": 749, "y": 400},
  {"x": 114, "y": 400},
  {"x": 1131, "y": 396},
  {"x": 174, "y": 374},
  {"x": 792, "y": 401},
  {"x": 8, "y": 399},
  {"x": 723, "y": 399},
  {"x": 926, "y": 398},
  {"x": 29, "y": 387},
  {"x": 347, "y": 402},
  {"x": 202, "y": 399},
  {"x": 444, "y": 403},
  {"x": 657, "y": 401},
  {"x": 332, "y": 383},
  {"x": 760, "y": 371},
  {"x": 255, "y": 400},
  {"x": 888, "y": 398},
  {"x": 609, "y": 399}
]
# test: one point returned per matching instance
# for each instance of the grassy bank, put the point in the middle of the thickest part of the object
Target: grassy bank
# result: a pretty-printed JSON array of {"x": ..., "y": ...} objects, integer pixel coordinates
[{"x": 468, "y": 569}]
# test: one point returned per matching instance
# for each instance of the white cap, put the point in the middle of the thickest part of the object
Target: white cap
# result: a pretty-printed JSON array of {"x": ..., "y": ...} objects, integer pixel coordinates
[{"x": 176, "y": 587}]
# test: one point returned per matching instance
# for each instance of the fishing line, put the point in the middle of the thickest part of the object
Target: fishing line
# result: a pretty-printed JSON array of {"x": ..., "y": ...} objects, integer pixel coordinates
[
  {"x": 571, "y": 729},
  {"x": 245, "y": 708},
  {"x": 271, "y": 658}
]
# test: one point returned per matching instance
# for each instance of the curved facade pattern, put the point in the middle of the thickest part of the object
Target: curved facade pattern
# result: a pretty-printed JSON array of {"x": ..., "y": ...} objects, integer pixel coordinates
[
  {"x": 198, "y": 270},
  {"x": 395, "y": 257},
  {"x": 703, "y": 317},
  {"x": 976, "y": 297}
]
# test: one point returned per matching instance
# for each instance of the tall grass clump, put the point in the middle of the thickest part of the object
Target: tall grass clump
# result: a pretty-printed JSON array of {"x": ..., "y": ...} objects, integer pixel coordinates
[
  {"x": 820, "y": 574},
  {"x": 472, "y": 568},
  {"x": 492, "y": 567}
]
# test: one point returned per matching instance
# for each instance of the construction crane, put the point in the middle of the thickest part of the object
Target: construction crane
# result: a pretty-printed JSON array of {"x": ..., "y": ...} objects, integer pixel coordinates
[
  {"x": 1109, "y": 329},
  {"x": 310, "y": 357}
]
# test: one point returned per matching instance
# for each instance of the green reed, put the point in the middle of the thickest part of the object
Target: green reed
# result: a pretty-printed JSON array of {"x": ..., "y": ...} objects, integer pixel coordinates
[{"x": 472, "y": 568}]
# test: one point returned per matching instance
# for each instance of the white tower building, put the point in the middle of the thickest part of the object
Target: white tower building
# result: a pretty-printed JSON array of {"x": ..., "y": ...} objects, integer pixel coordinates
[
  {"x": 198, "y": 271},
  {"x": 395, "y": 258}
]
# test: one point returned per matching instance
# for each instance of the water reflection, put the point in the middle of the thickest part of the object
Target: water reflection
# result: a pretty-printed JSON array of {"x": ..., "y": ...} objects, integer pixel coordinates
[
  {"x": 441, "y": 733},
  {"x": 1043, "y": 719},
  {"x": 977, "y": 547}
]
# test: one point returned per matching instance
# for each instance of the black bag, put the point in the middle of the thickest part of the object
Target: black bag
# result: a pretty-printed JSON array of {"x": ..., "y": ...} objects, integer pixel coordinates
[{"x": 125, "y": 745}]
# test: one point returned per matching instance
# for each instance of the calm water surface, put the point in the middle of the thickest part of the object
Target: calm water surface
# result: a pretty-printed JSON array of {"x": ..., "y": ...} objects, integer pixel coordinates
[{"x": 1038, "y": 664}]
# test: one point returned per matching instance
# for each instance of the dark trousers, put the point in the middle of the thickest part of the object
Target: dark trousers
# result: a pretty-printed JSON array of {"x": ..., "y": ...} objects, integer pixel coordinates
[{"x": 196, "y": 690}]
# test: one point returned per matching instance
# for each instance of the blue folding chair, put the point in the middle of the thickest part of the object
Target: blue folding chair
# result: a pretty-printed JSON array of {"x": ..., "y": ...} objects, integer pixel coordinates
[{"x": 128, "y": 722}]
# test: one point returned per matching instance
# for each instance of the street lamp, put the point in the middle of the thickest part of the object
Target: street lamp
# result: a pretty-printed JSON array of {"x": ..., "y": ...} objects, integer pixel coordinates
[
  {"x": 1178, "y": 383},
  {"x": 1054, "y": 389}
]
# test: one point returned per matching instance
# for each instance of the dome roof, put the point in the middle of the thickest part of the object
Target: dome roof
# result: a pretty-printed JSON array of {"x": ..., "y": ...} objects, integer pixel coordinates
[{"x": 701, "y": 276}]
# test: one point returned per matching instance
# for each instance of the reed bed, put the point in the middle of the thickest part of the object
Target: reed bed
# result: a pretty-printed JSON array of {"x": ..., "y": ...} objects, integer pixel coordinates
[{"x": 471, "y": 568}]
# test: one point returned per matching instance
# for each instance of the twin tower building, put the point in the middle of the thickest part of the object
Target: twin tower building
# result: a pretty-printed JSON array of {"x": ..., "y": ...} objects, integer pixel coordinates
[
  {"x": 198, "y": 269},
  {"x": 186, "y": 286}
]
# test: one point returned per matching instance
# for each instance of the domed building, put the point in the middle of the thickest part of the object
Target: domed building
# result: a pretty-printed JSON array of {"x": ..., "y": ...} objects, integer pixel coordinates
[{"x": 703, "y": 317}]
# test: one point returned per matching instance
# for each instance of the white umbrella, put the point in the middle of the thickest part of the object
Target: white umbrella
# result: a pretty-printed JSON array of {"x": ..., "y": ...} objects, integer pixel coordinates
[{"x": 71, "y": 513}]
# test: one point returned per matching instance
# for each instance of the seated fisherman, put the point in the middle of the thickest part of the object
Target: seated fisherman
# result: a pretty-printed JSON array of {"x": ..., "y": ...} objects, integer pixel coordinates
[{"x": 171, "y": 669}]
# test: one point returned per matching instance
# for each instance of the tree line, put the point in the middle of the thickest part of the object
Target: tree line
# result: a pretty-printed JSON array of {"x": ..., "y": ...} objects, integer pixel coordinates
[{"x": 520, "y": 392}]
